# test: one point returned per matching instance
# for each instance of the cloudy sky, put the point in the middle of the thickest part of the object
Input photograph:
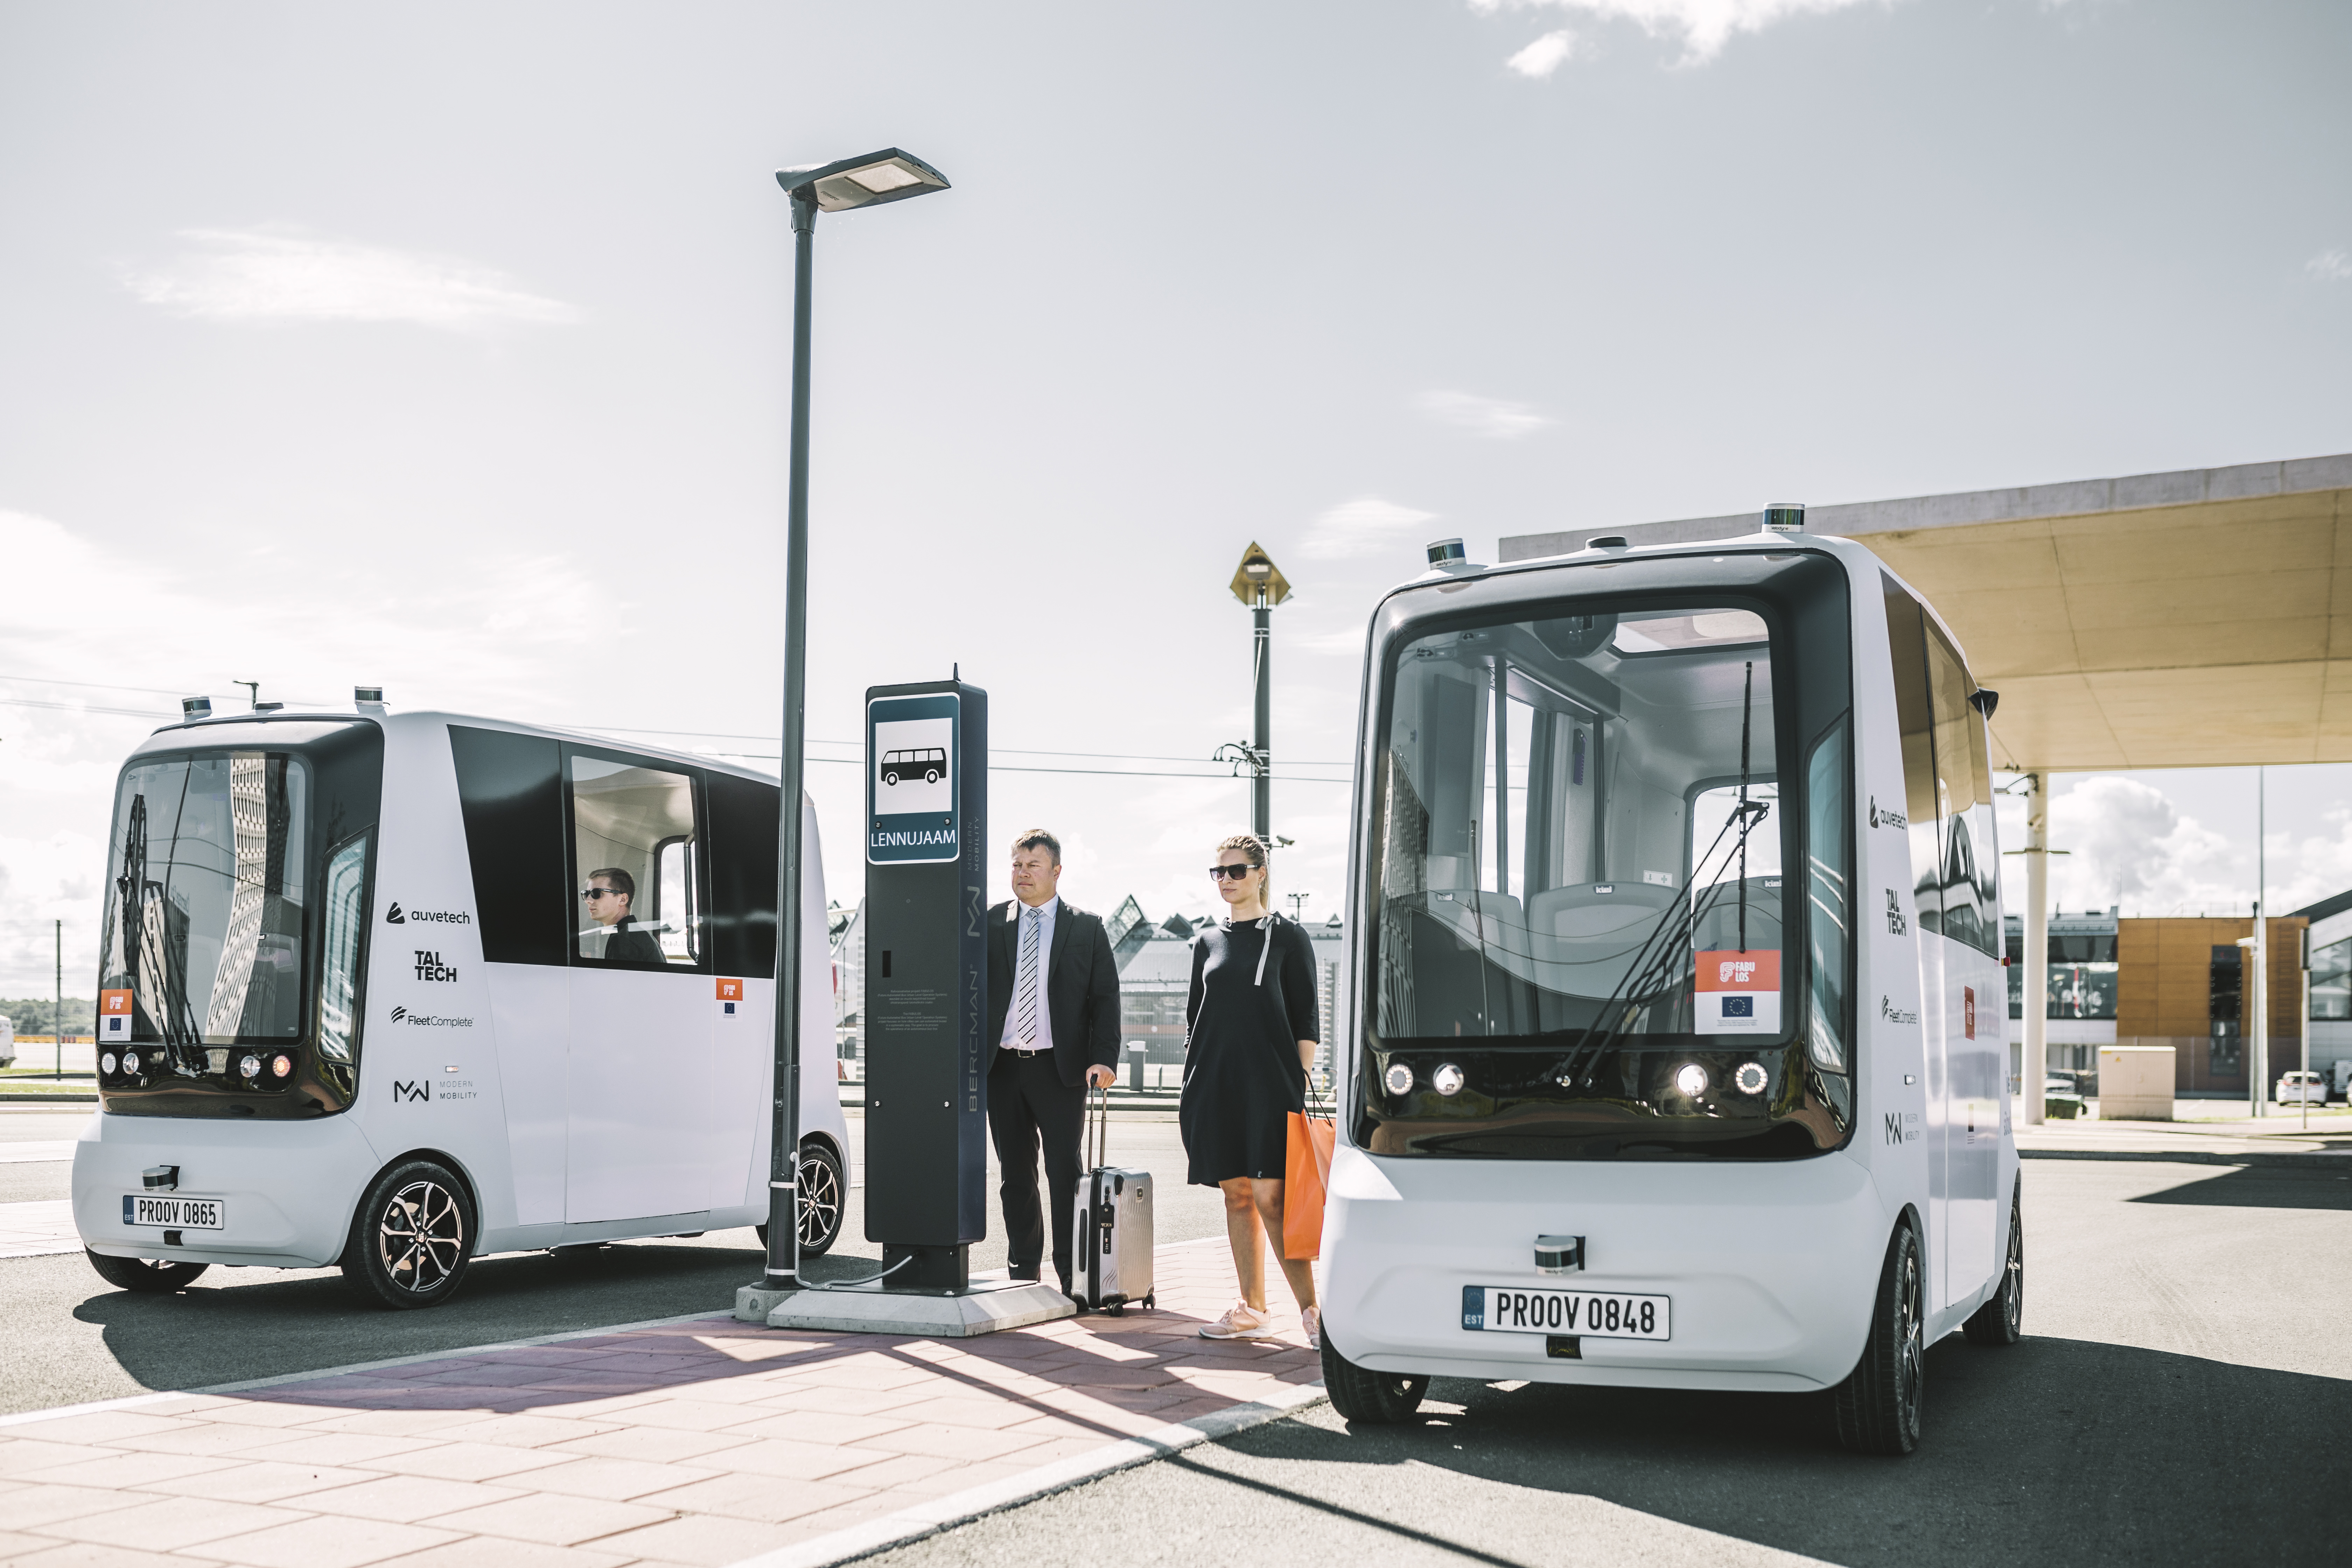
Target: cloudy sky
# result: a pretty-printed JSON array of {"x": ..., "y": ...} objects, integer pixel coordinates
[{"x": 445, "y": 347}]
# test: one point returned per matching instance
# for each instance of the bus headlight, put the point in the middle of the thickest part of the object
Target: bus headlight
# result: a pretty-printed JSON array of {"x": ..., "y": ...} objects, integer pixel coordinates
[
  {"x": 1692, "y": 1080},
  {"x": 249, "y": 1066},
  {"x": 1751, "y": 1078},
  {"x": 280, "y": 1065},
  {"x": 1399, "y": 1079},
  {"x": 1446, "y": 1080},
  {"x": 106, "y": 1062},
  {"x": 130, "y": 1061}
]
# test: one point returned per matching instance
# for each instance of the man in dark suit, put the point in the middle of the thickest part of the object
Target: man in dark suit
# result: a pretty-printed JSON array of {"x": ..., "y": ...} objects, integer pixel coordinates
[{"x": 1053, "y": 1030}]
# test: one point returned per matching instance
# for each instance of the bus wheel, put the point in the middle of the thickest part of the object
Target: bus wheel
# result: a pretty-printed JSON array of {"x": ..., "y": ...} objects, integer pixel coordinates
[
  {"x": 413, "y": 1236},
  {"x": 1878, "y": 1404},
  {"x": 147, "y": 1276},
  {"x": 1377, "y": 1398},
  {"x": 823, "y": 1195},
  {"x": 2001, "y": 1320}
]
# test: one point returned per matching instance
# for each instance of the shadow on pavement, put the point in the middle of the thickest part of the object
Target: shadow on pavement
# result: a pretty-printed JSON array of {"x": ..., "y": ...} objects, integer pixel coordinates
[
  {"x": 2255, "y": 1186},
  {"x": 2054, "y": 1451},
  {"x": 269, "y": 1324}
]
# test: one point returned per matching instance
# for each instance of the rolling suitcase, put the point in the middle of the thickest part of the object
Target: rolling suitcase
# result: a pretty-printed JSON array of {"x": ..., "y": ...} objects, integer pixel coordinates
[{"x": 1112, "y": 1242}]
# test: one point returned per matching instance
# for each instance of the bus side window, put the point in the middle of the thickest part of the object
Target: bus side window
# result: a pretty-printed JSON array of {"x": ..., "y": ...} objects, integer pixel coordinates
[
  {"x": 1907, "y": 638},
  {"x": 1963, "y": 803},
  {"x": 510, "y": 795},
  {"x": 634, "y": 847}
]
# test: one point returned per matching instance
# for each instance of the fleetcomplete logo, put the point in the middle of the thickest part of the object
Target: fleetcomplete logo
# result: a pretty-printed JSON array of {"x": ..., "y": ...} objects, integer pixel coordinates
[
  {"x": 429, "y": 1020},
  {"x": 397, "y": 916}
]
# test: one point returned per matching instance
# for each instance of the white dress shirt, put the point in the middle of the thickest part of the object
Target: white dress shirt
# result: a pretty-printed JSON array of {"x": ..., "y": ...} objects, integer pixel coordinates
[{"x": 1044, "y": 923}]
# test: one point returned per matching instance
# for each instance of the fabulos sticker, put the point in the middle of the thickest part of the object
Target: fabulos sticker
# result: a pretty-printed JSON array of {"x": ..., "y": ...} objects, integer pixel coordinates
[
  {"x": 1739, "y": 992},
  {"x": 730, "y": 998},
  {"x": 114, "y": 1018}
]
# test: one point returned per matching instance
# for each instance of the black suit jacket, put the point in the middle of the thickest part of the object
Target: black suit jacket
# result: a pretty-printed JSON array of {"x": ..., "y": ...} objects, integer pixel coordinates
[{"x": 1081, "y": 987}]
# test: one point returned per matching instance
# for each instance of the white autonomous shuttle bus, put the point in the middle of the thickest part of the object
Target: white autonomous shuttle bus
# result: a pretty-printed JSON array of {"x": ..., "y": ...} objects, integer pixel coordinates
[
  {"x": 395, "y": 991},
  {"x": 1678, "y": 1053}
]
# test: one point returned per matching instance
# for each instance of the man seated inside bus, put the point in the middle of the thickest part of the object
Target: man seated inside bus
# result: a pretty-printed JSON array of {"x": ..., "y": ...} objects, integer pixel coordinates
[{"x": 609, "y": 894}]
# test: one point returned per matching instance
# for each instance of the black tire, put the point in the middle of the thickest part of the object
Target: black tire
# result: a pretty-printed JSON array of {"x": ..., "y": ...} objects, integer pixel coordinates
[
  {"x": 145, "y": 1275},
  {"x": 2001, "y": 1320},
  {"x": 1375, "y": 1398},
  {"x": 931, "y": 775},
  {"x": 1878, "y": 1403},
  {"x": 825, "y": 1197},
  {"x": 820, "y": 1222},
  {"x": 413, "y": 1238}
]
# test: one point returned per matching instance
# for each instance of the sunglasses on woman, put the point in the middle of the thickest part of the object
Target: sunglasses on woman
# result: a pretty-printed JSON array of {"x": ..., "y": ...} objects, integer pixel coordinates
[{"x": 1230, "y": 873}]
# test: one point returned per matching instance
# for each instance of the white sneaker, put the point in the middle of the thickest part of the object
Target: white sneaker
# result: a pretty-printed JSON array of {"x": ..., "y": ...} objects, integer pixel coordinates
[
  {"x": 1241, "y": 1322},
  {"x": 1311, "y": 1320}
]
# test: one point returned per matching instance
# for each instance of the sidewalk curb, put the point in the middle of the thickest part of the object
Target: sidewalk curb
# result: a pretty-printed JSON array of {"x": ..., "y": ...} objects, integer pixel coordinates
[
  {"x": 2264, "y": 1159},
  {"x": 931, "y": 1519}
]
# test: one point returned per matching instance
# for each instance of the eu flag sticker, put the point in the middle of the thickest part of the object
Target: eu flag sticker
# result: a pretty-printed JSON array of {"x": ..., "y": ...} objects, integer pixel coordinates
[{"x": 1473, "y": 1306}]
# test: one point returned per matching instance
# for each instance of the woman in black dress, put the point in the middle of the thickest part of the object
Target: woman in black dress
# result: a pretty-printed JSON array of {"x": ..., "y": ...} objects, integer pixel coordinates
[{"x": 1251, "y": 1030}]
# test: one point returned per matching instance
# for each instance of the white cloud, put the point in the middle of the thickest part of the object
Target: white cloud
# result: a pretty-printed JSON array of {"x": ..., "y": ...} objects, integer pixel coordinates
[
  {"x": 1543, "y": 56},
  {"x": 1703, "y": 27},
  {"x": 2329, "y": 266},
  {"x": 283, "y": 275},
  {"x": 1364, "y": 526},
  {"x": 1493, "y": 418}
]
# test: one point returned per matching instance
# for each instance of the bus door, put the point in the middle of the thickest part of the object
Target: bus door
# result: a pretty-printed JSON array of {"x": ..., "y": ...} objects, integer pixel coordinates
[
  {"x": 1962, "y": 1017},
  {"x": 1975, "y": 1031},
  {"x": 639, "y": 1069}
]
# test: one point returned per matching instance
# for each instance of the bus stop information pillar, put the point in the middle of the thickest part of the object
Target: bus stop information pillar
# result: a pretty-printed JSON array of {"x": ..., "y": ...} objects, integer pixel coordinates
[{"x": 926, "y": 1002}]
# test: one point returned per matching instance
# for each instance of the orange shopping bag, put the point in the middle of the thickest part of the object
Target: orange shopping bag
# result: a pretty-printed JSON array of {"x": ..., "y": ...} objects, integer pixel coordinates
[{"x": 1307, "y": 1172}]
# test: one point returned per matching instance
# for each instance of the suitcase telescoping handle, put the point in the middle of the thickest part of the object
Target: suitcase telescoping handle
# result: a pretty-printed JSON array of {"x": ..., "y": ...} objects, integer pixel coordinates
[{"x": 1101, "y": 1109}]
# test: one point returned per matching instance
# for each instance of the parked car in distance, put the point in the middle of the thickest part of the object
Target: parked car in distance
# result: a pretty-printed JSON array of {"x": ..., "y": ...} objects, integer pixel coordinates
[{"x": 2301, "y": 1088}]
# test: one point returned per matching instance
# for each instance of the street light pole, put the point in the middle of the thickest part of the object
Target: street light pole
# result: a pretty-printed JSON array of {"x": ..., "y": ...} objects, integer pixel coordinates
[
  {"x": 886, "y": 176},
  {"x": 2033, "y": 1067},
  {"x": 1260, "y": 584}
]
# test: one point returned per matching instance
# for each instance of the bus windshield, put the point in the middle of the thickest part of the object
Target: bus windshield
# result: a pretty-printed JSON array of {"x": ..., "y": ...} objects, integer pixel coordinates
[
  {"x": 205, "y": 903},
  {"x": 1578, "y": 878}
]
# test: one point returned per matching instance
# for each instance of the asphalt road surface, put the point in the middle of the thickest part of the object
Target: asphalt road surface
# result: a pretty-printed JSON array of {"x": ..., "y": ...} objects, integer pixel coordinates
[
  {"x": 71, "y": 1337},
  {"x": 2184, "y": 1395}
]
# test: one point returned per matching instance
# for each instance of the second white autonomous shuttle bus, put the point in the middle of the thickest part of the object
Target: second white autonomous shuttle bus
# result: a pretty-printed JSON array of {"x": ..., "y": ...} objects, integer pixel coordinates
[
  {"x": 1677, "y": 1050},
  {"x": 395, "y": 991}
]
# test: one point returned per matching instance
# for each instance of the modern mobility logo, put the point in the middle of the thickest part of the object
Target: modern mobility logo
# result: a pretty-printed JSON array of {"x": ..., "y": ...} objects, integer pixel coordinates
[
  {"x": 429, "y": 1020},
  {"x": 397, "y": 916}
]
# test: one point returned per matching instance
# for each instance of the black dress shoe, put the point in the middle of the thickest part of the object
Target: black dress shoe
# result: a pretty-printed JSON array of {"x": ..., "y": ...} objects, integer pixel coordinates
[{"x": 1023, "y": 1276}]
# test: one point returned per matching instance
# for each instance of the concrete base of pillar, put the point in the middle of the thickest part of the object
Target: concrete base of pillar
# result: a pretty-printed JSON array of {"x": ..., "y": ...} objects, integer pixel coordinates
[
  {"x": 988, "y": 1307},
  {"x": 754, "y": 1302}
]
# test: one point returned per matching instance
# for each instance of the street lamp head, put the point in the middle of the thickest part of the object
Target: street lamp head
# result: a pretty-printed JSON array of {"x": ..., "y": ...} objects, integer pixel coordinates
[
  {"x": 888, "y": 175},
  {"x": 1258, "y": 580}
]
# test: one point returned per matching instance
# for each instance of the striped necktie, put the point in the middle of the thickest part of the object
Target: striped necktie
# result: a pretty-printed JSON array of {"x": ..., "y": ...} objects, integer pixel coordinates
[{"x": 1024, "y": 988}]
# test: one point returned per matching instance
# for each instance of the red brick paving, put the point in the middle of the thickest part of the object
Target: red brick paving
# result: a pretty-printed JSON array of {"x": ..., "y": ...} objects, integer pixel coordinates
[{"x": 707, "y": 1442}]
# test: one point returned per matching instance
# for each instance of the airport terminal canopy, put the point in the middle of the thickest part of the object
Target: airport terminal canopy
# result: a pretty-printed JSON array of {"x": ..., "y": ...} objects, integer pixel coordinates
[{"x": 2201, "y": 618}]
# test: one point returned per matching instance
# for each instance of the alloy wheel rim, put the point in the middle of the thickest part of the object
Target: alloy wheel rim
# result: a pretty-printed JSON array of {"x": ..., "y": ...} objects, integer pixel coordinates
[
  {"x": 820, "y": 1199},
  {"x": 1910, "y": 1368},
  {"x": 2014, "y": 1309},
  {"x": 421, "y": 1236}
]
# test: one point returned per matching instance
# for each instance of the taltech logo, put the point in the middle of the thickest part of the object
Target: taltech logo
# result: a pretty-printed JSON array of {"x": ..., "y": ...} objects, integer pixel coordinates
[
  {"x": 430, "y": 967},
  {"x": 397, "y": 916}
]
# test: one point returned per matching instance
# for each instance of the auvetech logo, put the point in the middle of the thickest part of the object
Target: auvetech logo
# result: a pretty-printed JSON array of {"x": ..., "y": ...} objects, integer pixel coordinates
[{"x": 397, "y": 916}]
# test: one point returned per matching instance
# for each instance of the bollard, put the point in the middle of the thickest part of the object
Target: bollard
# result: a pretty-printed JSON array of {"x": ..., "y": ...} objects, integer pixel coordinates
[{"x": 1135, "y": 1066}]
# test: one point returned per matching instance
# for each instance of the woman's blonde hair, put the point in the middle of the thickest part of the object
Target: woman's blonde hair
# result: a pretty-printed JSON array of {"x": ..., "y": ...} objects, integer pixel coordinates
[{"x": 1253, "y": 849}]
